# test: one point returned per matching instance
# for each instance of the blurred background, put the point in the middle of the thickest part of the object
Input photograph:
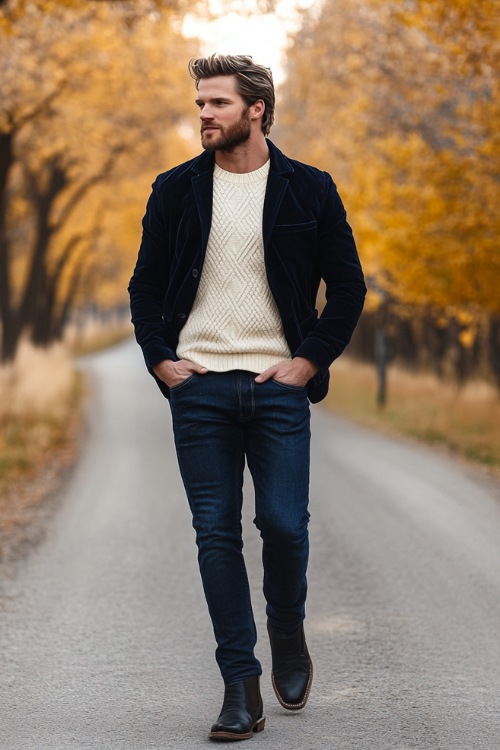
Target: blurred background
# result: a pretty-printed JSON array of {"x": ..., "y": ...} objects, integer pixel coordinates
[{"x": 399, "y": 101}]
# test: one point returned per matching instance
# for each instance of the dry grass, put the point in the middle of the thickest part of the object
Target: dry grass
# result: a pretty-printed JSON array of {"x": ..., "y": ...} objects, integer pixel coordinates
[
  {"x": 423, "y": 407},
  {"x": 36, "y": 383},
  {"x": 40, "y": 427},
  {"x": 39, "y": 398},
  {"x": 94, "y": 336}
]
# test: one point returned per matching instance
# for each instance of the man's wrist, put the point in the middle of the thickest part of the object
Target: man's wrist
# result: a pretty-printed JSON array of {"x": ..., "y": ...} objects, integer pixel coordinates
[
  {"x": 307, "y": 366},
  {"x": 163, "y": 365}
]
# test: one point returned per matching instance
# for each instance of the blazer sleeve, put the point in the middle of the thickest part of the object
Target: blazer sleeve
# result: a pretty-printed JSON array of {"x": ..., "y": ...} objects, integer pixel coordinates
[
  {"x": 149, "y": 283},
  {"x": 341, "y": 271}
]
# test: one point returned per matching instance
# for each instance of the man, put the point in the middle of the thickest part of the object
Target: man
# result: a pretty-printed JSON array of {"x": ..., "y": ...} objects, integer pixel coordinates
[{"x": 223, "y": 297}]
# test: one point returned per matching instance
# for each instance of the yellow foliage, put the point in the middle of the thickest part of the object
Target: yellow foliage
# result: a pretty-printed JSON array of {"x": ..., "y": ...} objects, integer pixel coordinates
[
  {"x": 467, "y": 337},
  {"x": 401, "y": 104},
  {"x": 94, "y": 96}
]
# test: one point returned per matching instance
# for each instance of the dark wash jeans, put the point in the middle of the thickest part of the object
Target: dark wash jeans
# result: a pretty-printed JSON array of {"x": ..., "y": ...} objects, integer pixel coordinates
[{"x": 219, "y": 419}]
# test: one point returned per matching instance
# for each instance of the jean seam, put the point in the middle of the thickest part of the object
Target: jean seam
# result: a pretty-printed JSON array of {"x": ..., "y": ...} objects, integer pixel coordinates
[
  {"x": 252, "y": 392},
  {"x": 242, "y": 415},
  {"x": 237, "y": 521}
]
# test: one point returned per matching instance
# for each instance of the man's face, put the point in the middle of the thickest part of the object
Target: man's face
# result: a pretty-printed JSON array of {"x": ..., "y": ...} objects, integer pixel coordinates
[{"x": 225, "y": 122}]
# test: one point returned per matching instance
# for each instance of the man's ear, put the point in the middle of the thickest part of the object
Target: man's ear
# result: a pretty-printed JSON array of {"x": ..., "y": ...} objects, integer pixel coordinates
[{"x": 259, "y": 108}]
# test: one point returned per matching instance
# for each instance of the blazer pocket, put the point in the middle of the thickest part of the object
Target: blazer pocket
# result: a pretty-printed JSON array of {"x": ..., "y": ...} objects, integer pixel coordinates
[{"x": 292, "y": 228}]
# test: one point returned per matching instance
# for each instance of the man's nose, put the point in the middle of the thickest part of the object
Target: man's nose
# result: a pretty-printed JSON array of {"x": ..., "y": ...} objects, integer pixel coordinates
[{"x": 206, "y": 113}]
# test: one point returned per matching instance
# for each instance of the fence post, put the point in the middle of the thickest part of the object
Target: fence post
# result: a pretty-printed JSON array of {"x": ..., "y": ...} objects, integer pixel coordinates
[{"x": 381, "y": 364}]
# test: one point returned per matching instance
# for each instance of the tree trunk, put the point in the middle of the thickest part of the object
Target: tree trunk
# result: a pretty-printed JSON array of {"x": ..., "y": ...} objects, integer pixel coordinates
[
  {"x": 494, "y": 347},
  {"x": 8, "y": 318}
]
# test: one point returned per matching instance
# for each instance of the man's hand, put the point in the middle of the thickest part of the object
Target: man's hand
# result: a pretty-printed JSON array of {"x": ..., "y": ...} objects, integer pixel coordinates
[
  {"x": 174, "y": 373},
  {"x": 296, "y": 371}
]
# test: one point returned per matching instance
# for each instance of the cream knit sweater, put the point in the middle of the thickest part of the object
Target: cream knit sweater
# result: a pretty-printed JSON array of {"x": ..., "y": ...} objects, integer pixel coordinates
[{"x": 234, "y": 323}]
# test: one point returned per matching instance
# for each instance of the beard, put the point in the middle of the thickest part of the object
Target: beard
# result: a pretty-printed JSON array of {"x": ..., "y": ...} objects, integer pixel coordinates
[{"x": 230, "y": 137}]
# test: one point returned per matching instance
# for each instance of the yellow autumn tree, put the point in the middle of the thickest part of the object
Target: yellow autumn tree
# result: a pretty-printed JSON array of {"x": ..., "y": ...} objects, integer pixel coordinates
[
  {"x": 401, "y": 103},
  {"x": 93, "y": 106}
]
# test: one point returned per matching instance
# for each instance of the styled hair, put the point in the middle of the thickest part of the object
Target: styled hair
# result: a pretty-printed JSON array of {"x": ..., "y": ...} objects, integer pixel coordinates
[{"x": 253, "y": 81}]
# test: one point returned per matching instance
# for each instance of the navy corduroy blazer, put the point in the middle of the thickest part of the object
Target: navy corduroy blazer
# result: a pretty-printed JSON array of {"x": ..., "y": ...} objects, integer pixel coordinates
[{"x": 306, "y": 238}]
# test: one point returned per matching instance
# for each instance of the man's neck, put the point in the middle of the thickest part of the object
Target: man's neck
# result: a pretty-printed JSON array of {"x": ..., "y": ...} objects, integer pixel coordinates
[{"x": 248, "y": 157}]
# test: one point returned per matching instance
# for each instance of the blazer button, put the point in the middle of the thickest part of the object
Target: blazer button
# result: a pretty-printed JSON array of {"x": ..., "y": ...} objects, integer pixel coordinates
[
  {"x": 194, "y": 272},
  {"x": 181, "y": 316}
]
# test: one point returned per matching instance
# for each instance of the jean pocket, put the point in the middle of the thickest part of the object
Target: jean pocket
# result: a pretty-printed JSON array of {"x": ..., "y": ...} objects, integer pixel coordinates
[
  {"x": 186, "y": 381},
  {"x": 288, "y": 386}
]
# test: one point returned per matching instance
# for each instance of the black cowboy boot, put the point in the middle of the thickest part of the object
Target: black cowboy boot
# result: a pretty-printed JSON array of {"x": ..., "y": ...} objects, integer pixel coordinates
[
  {"x": 242, "y": 712},
  {"x": 292, "y": 668}
]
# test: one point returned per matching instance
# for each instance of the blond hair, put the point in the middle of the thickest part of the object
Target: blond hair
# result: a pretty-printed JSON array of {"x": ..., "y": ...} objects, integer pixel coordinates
[{"x": 253, "y": 81}]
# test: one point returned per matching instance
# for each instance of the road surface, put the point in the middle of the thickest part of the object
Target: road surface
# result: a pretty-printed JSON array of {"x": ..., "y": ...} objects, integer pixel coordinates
[{"x": 106, "y": 642}]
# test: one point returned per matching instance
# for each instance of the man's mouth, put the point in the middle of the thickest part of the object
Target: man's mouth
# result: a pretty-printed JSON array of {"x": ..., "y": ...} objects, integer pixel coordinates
[{"x": 208, "y": 128}]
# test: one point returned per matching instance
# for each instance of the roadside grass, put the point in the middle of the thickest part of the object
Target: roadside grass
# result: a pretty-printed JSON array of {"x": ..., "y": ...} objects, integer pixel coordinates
[
  {"x": 40, "y": 400},
  {"x": 41, "y": 397},
  {"x": 95, "y": 337},
  {"x": 420, "y": 406}
]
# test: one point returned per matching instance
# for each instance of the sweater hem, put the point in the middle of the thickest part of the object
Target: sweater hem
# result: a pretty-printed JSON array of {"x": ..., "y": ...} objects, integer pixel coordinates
[{"x": 252, "y": 362}]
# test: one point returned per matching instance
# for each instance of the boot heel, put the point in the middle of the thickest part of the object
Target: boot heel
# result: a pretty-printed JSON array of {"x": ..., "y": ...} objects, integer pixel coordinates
[{"x": 259, "y": 725}]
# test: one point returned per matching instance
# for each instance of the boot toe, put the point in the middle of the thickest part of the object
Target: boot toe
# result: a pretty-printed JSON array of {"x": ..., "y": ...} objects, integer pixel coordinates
[
  {"x": 233, "y": 722},
  {"x": 293, "y": 690}
]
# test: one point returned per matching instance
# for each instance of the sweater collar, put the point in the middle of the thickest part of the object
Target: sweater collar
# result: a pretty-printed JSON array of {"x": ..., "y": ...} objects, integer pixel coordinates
[{"x": 278, "y": 161}]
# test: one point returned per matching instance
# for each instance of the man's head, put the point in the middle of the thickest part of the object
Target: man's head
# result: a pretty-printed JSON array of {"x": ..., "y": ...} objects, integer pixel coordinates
[{"x": 253, "y": 82}]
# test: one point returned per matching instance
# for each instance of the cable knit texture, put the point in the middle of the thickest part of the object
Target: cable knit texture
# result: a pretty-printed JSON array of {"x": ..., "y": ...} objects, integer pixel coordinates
[{"x": 234, "y": 323}]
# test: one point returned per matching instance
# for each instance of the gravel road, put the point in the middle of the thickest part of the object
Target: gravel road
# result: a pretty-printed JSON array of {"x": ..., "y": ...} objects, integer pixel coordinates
[{"x": 105, "y": 640}]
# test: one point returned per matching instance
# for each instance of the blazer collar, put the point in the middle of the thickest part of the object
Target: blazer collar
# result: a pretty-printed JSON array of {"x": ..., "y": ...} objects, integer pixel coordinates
[{"x": 279, "y": 162}]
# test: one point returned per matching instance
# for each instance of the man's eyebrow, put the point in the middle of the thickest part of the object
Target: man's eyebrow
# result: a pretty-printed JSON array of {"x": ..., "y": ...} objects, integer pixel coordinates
[{"x": 224, "y": 99}]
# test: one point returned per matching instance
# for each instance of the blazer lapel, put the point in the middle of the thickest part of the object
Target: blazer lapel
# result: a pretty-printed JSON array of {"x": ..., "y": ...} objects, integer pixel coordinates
[
  {"x": 276, "y": 188},
  {"x": 202, "y": 183},
  {"x": 277, "y": 184}
]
